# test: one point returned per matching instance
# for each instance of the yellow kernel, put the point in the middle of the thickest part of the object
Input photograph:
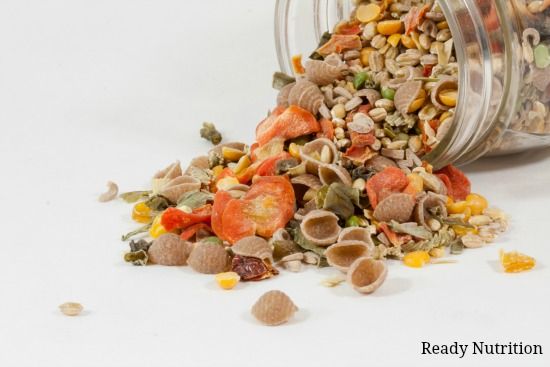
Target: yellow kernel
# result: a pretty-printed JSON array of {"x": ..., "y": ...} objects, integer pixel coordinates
[
  {"x": 227, "y": 280},
  {"x": 294, "y": 150},
  {"x": 476, "y": 203},
  {"x": 231, "y": 154},
  {"x": 394, "y": 39},
  {"x": 217, "y": 170},
  {"x": 416, "y": 259},
  {"x": 448, "y": 97},
  {"x": 242, "y": 165},
  {"x": 442, "y": 25},
  {"x": 157, "y": 228},
  {"x": 416, "y": 39},
  {"x": 389, "y": 27},
  {"x": 365, "y": 54},
  {"x": 408, "y": 42},
  {"x": 368, "y": 13},
  {"x": 456, "y": 207},
  {"x": 418, "y": 102},
  {"x": 515, "y": 262},
  {"x": 141, "y": 213}
]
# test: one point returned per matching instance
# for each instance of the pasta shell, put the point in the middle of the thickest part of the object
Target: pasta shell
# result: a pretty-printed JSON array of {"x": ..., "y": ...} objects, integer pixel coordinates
[
  {"x": 307, "y": 180},
  {"x": 446, "y": 83},
  {"x": 342, "y": 254},
  {"x": 357, "y": 234},
  {"x": 307, "y": 95},
  {"x": 174, "y": 189},
  {"x": 320, "y": 227},
  {"x": 379, "y": 163},
  {"x": 366, "y": 275},
  {"x": 169, "y": 249},
  {"x": 209, "y": 258},
  {"x": 406, "y": 94},
  {"x": 170, "y": 172},
  {"x": 253, "y": 246},
  {"x": 308, "y": 208},
  {"x": 433, "y": 183},
  {"x": 372, "y": 95},
  {"x": 311, "y": 154},
  {"x": 404, "y": 75},
  {"x": 323, "y": 73},
  {"x": 398, "y": 207},
  {"x": 198, "y": 162},
  {"x": 428, "y": 203},
  {"x": 284, "y": 93},
  {"x": 274, "y": 308},
  {"x": 331, "y": 173}
]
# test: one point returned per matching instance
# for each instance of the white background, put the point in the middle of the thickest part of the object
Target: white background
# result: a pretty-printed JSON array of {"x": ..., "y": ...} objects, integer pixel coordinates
[{"x": 92, "y": 91}]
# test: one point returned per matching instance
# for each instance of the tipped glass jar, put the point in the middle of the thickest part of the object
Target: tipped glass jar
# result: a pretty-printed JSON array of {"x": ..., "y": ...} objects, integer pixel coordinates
[{"x": 500, "y": 53}]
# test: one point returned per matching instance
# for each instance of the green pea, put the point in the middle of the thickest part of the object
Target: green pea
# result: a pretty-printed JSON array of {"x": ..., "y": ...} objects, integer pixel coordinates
[
  {"x": 354, "y": 221},
  {"x": 360, "y": 79},
  {"x": 388, "y": 93}
]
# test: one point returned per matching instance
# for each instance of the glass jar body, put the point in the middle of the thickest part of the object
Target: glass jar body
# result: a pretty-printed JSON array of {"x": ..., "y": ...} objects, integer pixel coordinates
[{"x": 504, "y": 76}]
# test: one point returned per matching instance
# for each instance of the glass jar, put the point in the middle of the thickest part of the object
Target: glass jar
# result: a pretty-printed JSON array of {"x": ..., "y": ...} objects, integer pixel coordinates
[{"x": 504, "y": 95}]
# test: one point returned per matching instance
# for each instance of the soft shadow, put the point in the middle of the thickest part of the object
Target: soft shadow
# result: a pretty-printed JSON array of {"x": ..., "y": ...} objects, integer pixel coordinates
[
  {"x": 508, "y": 161},
  {"x": 300, "y": 316},
  {"x": 393, "y": 286}
]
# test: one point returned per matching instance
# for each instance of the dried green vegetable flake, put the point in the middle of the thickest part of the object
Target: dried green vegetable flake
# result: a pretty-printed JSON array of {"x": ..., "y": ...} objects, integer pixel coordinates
[
  {"x": 138, "y": 258},
  {"x": 133, "y": 196},
  {"x": 210, "y": 133}
]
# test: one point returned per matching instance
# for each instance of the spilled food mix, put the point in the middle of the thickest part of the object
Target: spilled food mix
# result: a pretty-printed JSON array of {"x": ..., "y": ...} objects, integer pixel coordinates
[{"x": 336, "y": 176}]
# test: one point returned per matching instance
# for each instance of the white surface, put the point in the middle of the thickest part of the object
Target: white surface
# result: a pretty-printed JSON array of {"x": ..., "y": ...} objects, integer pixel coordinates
[{"x": 114, "y": 90}]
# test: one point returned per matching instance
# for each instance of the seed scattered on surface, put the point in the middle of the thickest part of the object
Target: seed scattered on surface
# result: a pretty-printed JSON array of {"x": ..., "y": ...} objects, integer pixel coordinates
[
  {"x": 110, "y": 194},
  {"x": 71, "y": 308}
]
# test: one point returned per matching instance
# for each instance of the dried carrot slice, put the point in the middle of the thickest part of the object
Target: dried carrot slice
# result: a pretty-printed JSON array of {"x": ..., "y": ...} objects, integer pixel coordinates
[
  {"x": 362, "y": 140},
  {"x": 458, "y": 185},
  {"x": 236, "y": 221},
  {"x": 339, "y": 43},
  {"x": 348, "y": 28},
  {"x": 384, "y": 183},
  {"x": 327, "y": 129},
  {"x": 220, "y": 202},
  {"x": 414, "y": 18},
  {"x": 292, "y": 123},
  {"x": 297, "y": 64},
  {"x": 359, "y": 154},
  {"x": 269, "y": 166}
]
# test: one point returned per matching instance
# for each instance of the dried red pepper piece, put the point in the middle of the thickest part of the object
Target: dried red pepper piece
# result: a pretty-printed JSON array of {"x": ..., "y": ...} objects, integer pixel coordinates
[
  {"x": 384, "y": 183},
  {"x": 458, "y": 185},
  {"x": 173, "y": 218}
]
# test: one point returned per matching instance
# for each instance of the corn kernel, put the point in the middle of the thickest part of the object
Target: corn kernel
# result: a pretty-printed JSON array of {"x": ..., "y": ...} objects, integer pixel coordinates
[
  {"x": 389, "y": 27},
  {"x": 443, "y": 25},
  {"x": 157, "y": 228},
  {"x": 419, "y": 102},
  {"x": 217, "y": 170},
  {"x": 416, "y": 259},
  {"x": 141, "y": 213},
  {"x": 231, "y": 154},
  {"x": 416, "y": 182},
  {"x": 394, "y": 39},
  {"x": 368, "y": 13},
  {"x": 294, "y": 150},
  {"x": 242, "y": 164},
  {"x": 408, "y": 42},
  {"x": 477, "y": 203},
  {"x": 463, "y": 231},
  {"x": 227, "y": 280}
]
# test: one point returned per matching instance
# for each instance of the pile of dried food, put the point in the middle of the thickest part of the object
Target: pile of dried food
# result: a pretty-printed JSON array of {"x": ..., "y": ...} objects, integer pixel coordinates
[{"x": 336, "y": 176}]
